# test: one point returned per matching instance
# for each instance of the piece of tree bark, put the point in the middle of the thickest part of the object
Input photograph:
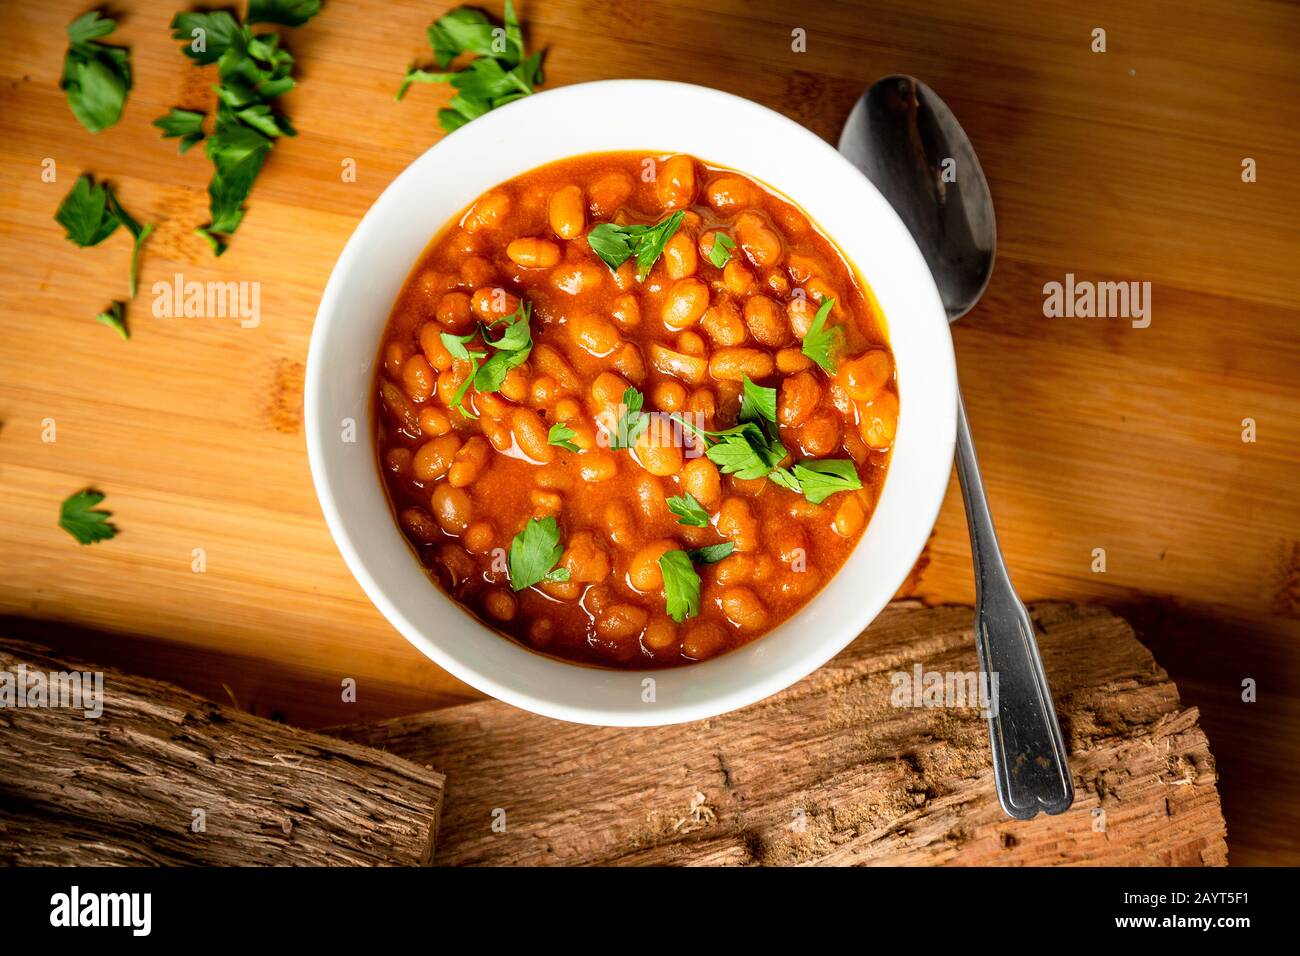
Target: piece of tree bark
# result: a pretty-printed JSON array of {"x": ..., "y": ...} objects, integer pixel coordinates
[
  {"x": 123, "y": 788},
  {"x": 830, "y": 772}
]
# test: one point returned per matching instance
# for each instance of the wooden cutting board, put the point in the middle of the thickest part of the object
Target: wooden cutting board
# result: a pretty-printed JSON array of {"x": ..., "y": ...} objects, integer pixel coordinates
[{"x": 1116, "y": 166}]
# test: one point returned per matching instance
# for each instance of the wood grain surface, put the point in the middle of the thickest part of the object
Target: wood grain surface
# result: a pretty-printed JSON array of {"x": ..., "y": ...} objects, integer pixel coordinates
[
  {"x": 138, "y": 772},
  {"x": 1121, "y": 166},
  {"x": 830, "y": 772}
]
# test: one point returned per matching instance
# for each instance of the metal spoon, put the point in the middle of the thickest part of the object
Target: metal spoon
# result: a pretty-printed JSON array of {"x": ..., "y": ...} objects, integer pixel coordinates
[{"x": 908, "y": 143}]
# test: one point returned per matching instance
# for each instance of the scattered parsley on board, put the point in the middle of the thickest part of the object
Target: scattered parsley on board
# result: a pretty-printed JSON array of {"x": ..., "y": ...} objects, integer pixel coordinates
[
  {"x": 96, "y": 76},
  {"x": 89, "y": 214},
  {"x": 79, "y": 517},
  {"x": 253, "y": 70},
  {"x": 499, "y": 73}
]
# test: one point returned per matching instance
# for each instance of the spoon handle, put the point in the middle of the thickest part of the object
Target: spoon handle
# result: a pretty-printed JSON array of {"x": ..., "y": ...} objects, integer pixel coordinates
[{"x": 1029, "y": 764}]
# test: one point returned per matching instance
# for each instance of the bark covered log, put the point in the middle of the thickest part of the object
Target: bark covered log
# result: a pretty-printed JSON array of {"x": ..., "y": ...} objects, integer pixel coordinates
[
  {"x": 123, "y": 788},
  {"x": 830, "y": 772}
]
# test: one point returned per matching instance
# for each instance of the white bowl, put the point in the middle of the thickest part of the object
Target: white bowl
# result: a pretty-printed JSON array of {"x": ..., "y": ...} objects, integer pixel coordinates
[{"x": 655, "y": 117}]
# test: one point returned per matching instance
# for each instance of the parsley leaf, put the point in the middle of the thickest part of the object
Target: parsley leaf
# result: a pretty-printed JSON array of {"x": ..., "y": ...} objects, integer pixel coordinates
[
  {"x": 560, "y": 435},
  {"x": 631, "y": 421},
  {"x": 616, "y": 244},
  {"x": 237, "y": 153},
  {"x": 455, "y": 344},
  {"x": 689, "y": 511},
  {"x": 458, "y": 397},
  {"x": 681, "y": 585},
  {"x": 747, "y": 455},
  {"x": 518, "y": 334},
  {"x": 115, "y": 318},
  {"x": 467, "y": 30},
  {"x": 186, "y": 124},
  {"x": 90, "y": 213},
  {"x": 253, "y": 70},
  {"x": 512, "y": 349},
  {"x": 415, "y": 74},
  {"x": 89, "y": 26},
  {"x": 84, "y": 213},
  {"x": 207, "y": 36},
  {"x": 786, "y": 479},
  {"x": 821, "y": 478},
  {"x": 492, "y": 373},
  {"x": 500, "y": 74},
  {"x": 96, "y": 76},
  {"x": 757, "y": 403},
  {"x": 534, "y": 553},
  {"x": 750, "y": 450},
  {"x": 720, "y": 251},
  {"x": 753, "y": 449},
  {"x": 138, "y": 233},
  {"x": 78, "y": 517},
  {"x": 820, "y": 341},
  {"x": 290, "y": 13},
  {"x": 712, "y": 553}
]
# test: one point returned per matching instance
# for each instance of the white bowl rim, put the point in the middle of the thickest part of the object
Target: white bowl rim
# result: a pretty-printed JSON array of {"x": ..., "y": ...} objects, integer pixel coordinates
[{"x": 940, "y": 426}]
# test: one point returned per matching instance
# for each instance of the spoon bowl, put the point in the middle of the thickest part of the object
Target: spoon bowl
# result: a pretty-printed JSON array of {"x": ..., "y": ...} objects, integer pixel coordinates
[{"x": 909, "y": 144}]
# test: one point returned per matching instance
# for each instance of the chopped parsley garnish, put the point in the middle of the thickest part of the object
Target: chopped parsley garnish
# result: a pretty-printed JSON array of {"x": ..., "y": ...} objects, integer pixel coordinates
[
  {"x": 90, "y": 213},
  {"x": 458, "y": 397},
  {"x": 78, "y": 517},
  {"x": 711, "y": 554},
  {"x": 253, "y": 70},
  {"x": 746, "y": 451},
  {"x": 631, "y": 421},
  {"x": 455, "y": 344},
  {"x": 682, "y": 581},
  {"x": 518, "y": 334},
  {"x": 96, "y": 76},
  {"x": 138, "y": 233},
  {"x": 85, "y": 214},
  {"x": 786, "y": 479},
  {"x": 498, "y": 75},
  {"x": 115, "y": 318},
  {"x": 186, "y": 124},
  {"x": 820, "y": 343},
  {"x": 290, "y": 13},
  {"x": 757, "y": 403},
  {"x": 616, "y": 244},
  {"x": 534, "y": 553},
  {"x": 721, "y": 250},
  {"x": 511, "y": 349},
  {"x": 681, "y": 585},
  {"x": 560, "y": 436},
  {"x": 753, "y": 449},
  {"x": 821, "y": 478},
  {"x": 689, "y": 511}
]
